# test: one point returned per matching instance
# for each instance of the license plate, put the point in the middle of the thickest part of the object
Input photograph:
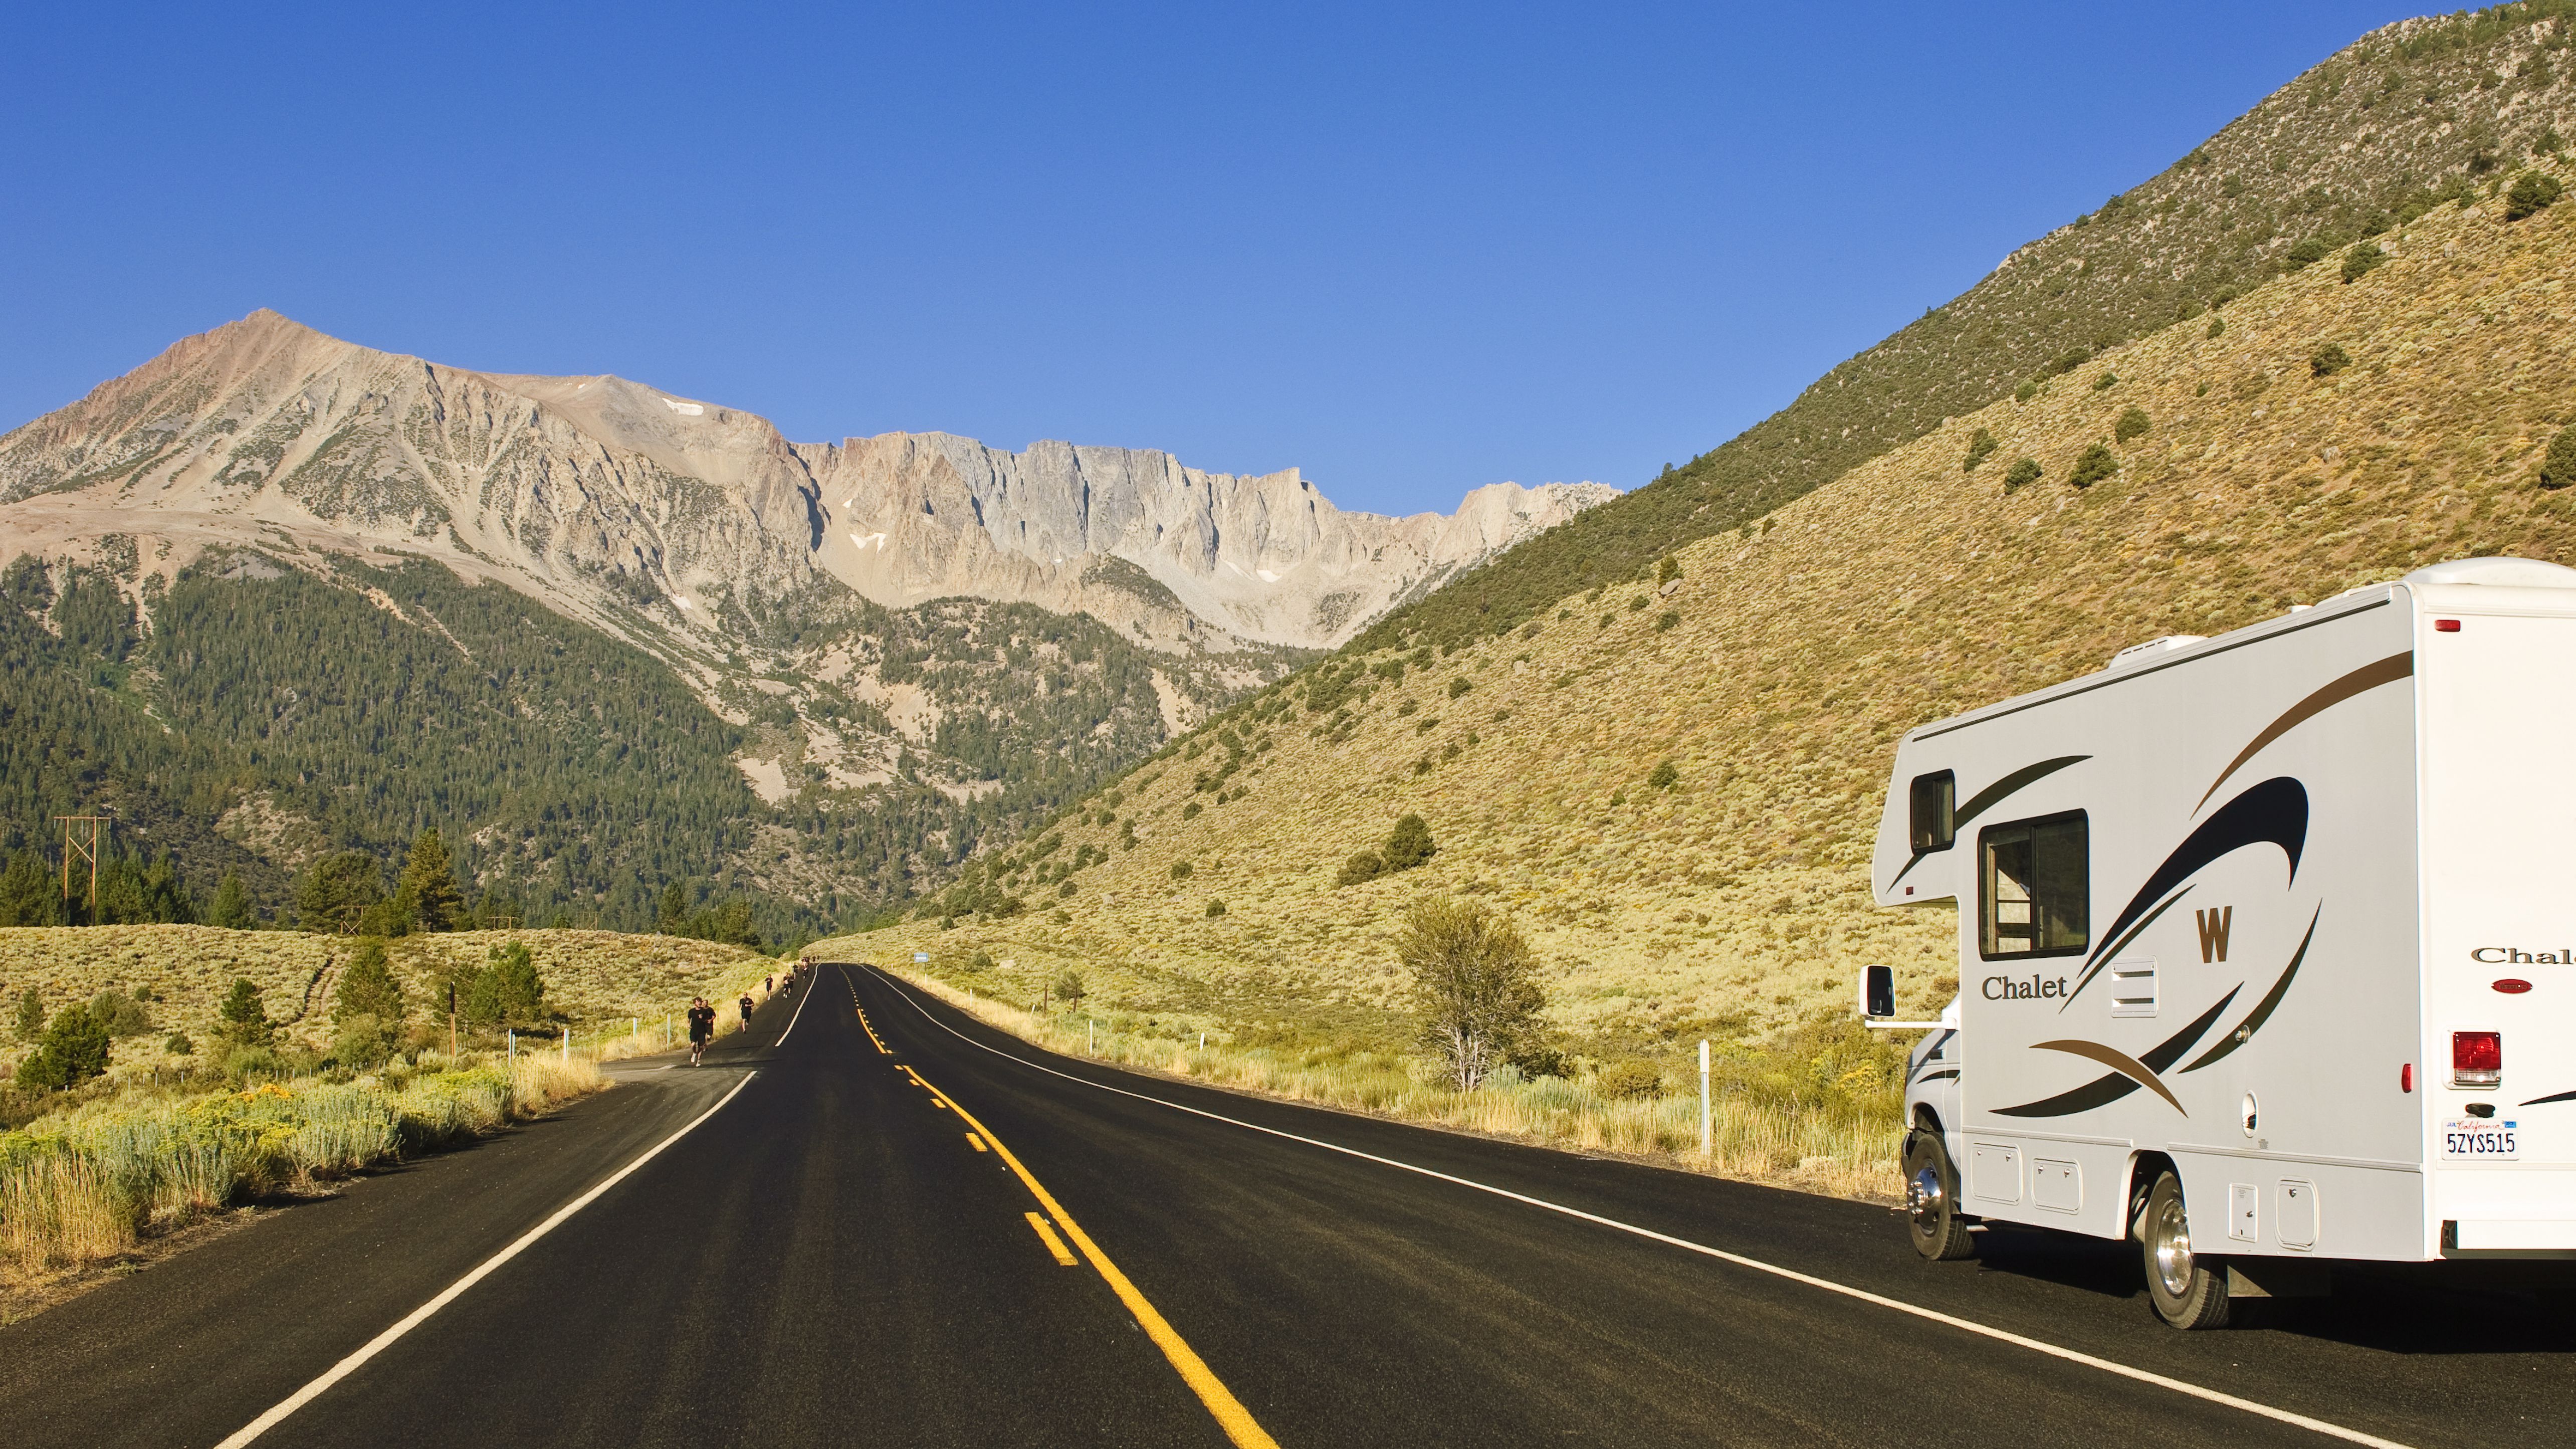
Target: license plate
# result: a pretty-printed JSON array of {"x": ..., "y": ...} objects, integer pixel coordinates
[{"x": 2478, "y": 1140}]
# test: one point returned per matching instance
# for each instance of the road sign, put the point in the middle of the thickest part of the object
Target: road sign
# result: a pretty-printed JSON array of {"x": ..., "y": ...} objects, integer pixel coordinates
[{"x": 920, "y": 958}]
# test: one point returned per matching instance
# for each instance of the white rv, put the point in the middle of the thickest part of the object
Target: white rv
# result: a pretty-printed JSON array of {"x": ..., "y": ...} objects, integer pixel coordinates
[{"x": 2267, "y": 943}]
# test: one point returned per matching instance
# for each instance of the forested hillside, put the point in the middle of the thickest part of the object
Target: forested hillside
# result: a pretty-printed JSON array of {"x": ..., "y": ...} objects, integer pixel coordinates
[
  {"x": 253, "y": 716},
  {"x": 2410, "y": 115}
]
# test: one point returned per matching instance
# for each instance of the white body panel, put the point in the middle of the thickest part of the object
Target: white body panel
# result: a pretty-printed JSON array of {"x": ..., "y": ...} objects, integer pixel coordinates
[{"x": 2311, "y": 849}]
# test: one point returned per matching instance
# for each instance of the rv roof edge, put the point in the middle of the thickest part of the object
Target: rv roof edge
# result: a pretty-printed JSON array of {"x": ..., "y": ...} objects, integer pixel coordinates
[
  {"x": 2497, "y": 572},
  {"x": 2140, "y": 653}
]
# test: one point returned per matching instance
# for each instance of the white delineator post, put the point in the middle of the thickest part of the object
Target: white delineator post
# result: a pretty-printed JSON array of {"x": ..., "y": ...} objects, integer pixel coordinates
[
  {"x": 1704, "y": 1142},
  {"x": 1091, "y": 1036},
  {"x": 567, "y": 1051}
]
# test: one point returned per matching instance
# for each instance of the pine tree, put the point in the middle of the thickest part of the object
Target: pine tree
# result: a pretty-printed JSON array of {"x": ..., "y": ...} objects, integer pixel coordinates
[
  {"x": 74, "y": 1050},
  {"x": 517, "y": 993},
  {"x": 338, "y": 891},
  {"x": 428, "y": 885},
  {"x": 245, "y": 1019},
  {"x": 31, "y": 1016},
  {"x": 233, "y": 909},
  {"x": 29, "y": 893},
  {"x": 368, "y": 987}
]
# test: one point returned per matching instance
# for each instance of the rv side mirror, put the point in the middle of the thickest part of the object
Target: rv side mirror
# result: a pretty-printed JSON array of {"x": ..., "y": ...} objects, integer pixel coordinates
[{"x": 1877, "y": 991}]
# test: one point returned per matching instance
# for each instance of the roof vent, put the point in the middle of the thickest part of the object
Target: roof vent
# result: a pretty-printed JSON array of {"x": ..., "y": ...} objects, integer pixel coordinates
[
  {"x": 2510, "y": 573},
  {"x": 2141, "y": 653}
]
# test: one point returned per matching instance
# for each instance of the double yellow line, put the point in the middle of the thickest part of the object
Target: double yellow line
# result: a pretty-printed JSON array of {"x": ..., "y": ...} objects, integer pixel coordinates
[{"x": 1231, "y": 1416}]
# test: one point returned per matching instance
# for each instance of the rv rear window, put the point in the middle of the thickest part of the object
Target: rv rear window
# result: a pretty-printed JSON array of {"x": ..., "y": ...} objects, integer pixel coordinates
[
  {"x": 1934, "y": 798},
  {"x": 2036, "y": 887}
]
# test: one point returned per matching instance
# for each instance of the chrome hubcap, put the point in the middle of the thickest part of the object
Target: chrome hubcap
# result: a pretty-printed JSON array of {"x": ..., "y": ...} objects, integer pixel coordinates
[
  {"x": 2171, "y": 1236},
  {"x": 1923, "y": 1198}
]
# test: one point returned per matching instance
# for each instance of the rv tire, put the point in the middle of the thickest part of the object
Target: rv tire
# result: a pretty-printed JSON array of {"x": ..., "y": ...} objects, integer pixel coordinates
[
  {"x": 2188, "y": 1289},
  {"x": 1932, "y": 1199}
]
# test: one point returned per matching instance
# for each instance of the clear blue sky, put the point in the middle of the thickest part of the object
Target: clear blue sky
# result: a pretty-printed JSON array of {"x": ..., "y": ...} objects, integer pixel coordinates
[{"x": 1410, "y": 249}]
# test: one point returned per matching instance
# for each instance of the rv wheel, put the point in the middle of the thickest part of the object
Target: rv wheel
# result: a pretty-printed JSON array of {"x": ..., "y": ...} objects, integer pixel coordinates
[
  {"x": 2188, "y": 1289},
  {"x": 1932, "y": 1199}
]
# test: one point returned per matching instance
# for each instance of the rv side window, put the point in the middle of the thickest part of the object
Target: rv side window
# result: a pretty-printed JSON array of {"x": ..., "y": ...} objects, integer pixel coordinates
[
  {"x": 2036, "y": 887},
  {"x": 1934, "y": 799}
]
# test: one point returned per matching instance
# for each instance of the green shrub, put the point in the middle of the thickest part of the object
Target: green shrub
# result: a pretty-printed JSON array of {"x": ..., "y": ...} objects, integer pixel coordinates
[
  {"x": 73, "y": 1051},
  {"x": 363, "y": 1041},
  {"x": 2106, "y": 382},
  {"x": 1979, "y": 445},
  {"x": 1190, "y": 811},
  {"x": 118, "y": 1014},
  {"x": 2558, "y": 465},
  {"x": 1067, "y": 987},
  {"x": 1459, "y": 686},
  {"x": 1409, "y": 844},
  {"x": 1361, "y": 868},
  {"x": 178, "y": 1045},
  {"x": 31, "y": 1016},
  {"x": 2096, "y": 464},
  {"x": 2361, "y": 261},
  {"x": 2532, "y": 193},
  {"x": 2328, "y": 360},
  {"x": 1215, "y": 909},
  {"x": 1664, "y": 777},
  {"x": 1628, "y": 1080},
  {"x": 2132, "y": 424},
  {"x": 2305, "y": 254},
  {"x": 1666, "y": 620},
  {"x": 1667, "y": 569},
  {"x": 1066, "y": 889},
  {"x": 1475, "y": 985},
  {"x": 1181, "y": 870},
  {"x": 2023, "y": 473},
  {"x": 2028, "y": 390},
  {"x": 2217, "y": 328}
]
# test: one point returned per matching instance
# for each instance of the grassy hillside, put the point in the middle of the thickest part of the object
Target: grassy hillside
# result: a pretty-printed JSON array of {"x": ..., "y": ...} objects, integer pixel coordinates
[
  {"x": 595, "y": 979},
  {"x": 1779, "y": 669},
  {"x": 2410, "y": 113}
]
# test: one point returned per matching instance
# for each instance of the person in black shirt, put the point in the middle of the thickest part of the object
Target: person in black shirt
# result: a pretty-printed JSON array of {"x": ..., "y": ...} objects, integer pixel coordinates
[{"x": 702, "y": 1025}]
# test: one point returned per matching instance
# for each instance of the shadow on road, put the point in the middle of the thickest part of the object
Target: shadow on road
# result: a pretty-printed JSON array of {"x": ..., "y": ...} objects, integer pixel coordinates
[{"x": 2410, "y": 1308}]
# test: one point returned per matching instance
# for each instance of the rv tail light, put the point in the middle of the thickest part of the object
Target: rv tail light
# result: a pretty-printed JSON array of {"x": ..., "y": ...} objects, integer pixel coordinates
[
  {"x": 2477, "y": 1058},
  {"x": 2446, "y": 626},
  {"x": 2406, "y": 1077}
]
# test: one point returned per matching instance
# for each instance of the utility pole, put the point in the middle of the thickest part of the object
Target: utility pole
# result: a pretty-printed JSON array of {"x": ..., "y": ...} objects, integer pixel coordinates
[{"x": 72, "y": 845}]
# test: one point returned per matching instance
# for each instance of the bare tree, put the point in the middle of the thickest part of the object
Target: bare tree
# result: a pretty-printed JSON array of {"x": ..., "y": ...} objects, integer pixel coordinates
[{"x": 1475, "y": 981}]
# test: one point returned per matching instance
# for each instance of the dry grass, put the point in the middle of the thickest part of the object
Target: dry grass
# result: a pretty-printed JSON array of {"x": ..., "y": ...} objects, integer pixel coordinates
[
  {"x": 596, "y": 981},
  {"x": 1735, "y": 903},
  {"x": 1841, "y": 1141},
  {"x": 86, "y": 1187}
]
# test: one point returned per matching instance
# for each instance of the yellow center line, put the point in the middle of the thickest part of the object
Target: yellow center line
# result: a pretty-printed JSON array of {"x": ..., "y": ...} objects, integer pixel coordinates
[
  {"x": 1231, "y": 1415},
  {"x": 974, "y": 1141},
  {"x": 1054, "y": 1244}
]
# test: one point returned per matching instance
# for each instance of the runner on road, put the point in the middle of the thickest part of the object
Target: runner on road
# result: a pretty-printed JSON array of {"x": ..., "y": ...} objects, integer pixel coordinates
[
  {"x": 702, "y": 1025},
  {"x": 746, "y": 1011}
]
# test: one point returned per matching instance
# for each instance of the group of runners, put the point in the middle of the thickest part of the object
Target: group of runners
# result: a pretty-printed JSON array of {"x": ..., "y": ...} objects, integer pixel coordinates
[{"x": 702, "y": 1017}]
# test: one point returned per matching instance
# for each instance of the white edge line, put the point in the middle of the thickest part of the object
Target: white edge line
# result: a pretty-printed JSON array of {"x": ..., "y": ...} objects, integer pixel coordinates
[
  {"x": 2285, "y": 1416},
  {"x": 796, "y": 1016},
  {"x": 455, "y": 1290}
]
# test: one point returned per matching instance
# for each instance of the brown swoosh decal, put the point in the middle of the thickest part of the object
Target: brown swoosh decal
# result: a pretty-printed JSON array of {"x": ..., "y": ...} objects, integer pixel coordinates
[
  {"x": 2118, "y": 1061},
  {"x": 2369, "y": 676}
]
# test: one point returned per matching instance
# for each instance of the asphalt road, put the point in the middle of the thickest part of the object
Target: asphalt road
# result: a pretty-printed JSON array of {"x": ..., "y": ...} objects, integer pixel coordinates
[{"x": 828, "y": 1259}]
